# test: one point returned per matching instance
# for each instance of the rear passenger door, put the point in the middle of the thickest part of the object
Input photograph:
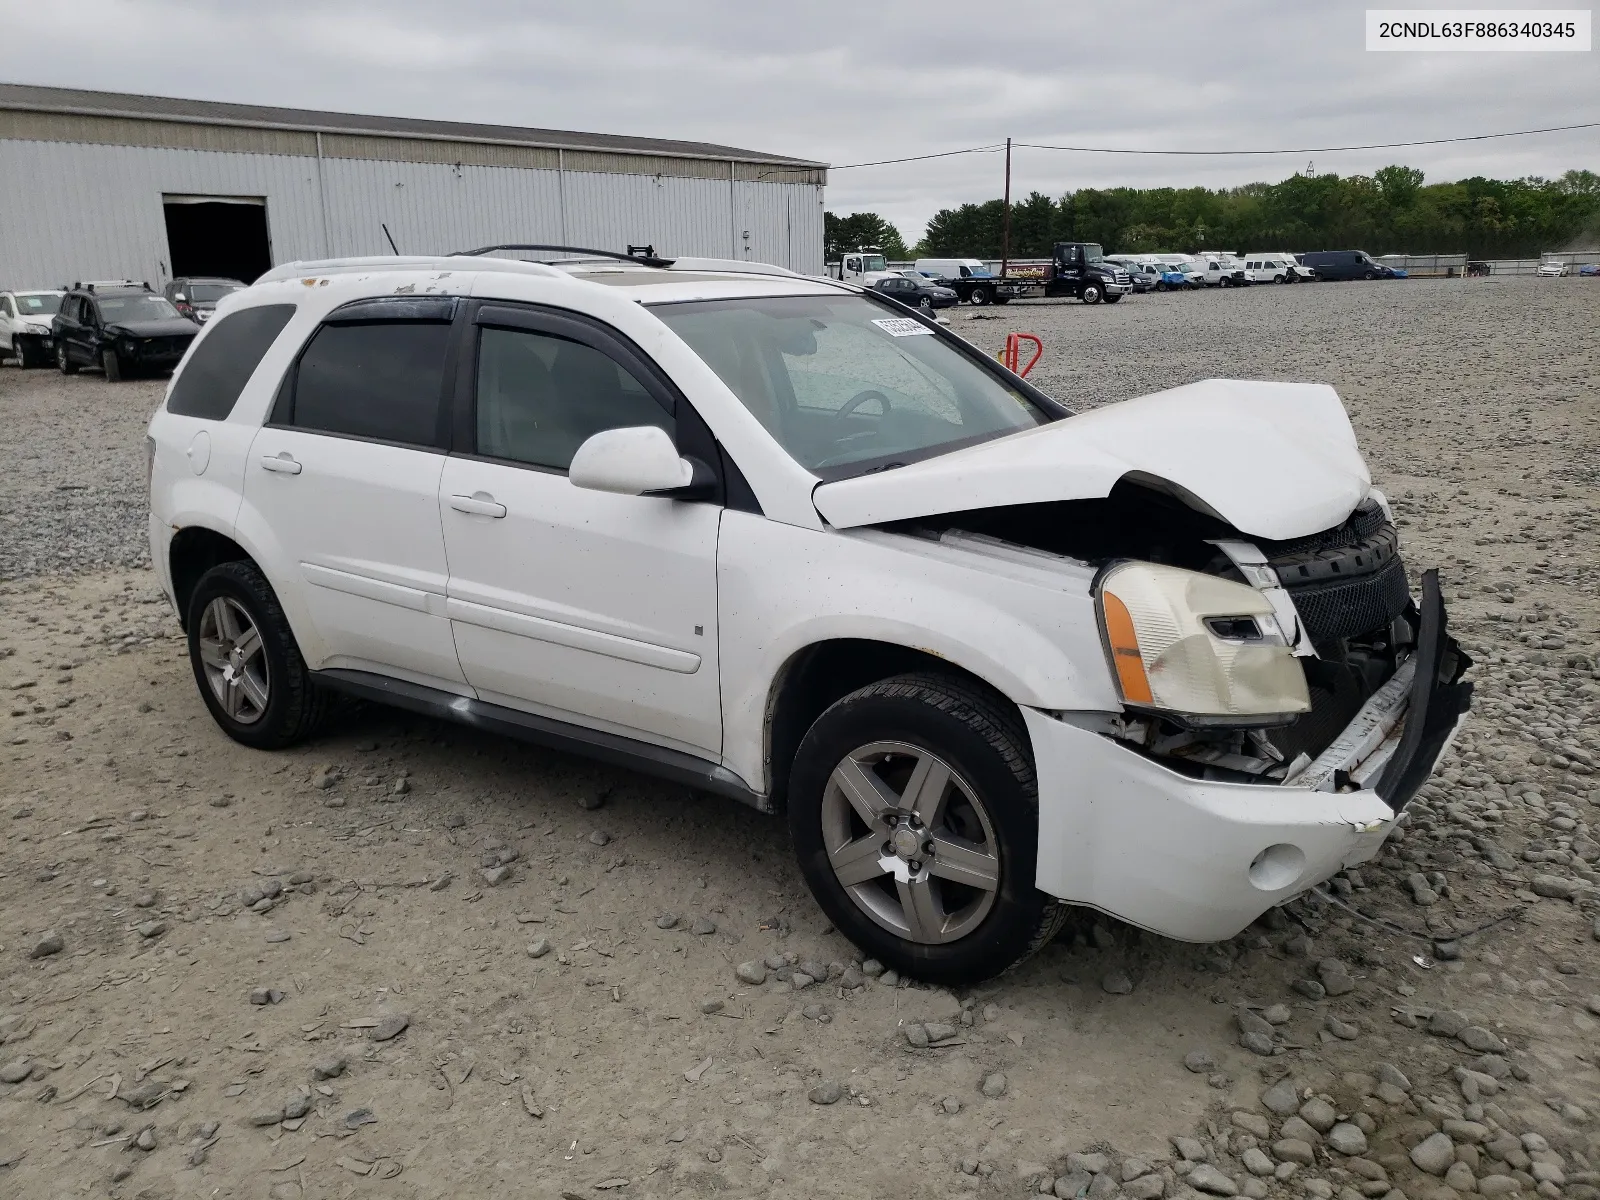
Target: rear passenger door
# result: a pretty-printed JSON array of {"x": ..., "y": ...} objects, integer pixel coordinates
[
  {"x": 345, "y": 476},
  {"x": 590, "y": 607}
]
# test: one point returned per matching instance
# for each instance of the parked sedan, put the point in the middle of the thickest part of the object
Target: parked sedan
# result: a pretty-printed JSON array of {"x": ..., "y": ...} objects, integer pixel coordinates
[
  {"x": 196, "y": 297},
  {"x": 25, "y": 326},
  {"x": 916, "y": 293}
]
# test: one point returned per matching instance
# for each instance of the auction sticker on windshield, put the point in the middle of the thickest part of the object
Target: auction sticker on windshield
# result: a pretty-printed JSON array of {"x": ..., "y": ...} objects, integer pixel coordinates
[{"x": 901, "y": 326}]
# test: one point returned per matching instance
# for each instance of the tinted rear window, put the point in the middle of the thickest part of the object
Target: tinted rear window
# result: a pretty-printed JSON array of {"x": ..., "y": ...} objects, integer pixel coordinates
[
  {"x": 223, "y": 362},
  {"x": 381, "y": 380}
]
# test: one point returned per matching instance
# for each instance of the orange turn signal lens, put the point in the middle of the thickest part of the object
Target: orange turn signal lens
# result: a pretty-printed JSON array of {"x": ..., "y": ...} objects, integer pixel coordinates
[{"x": 1125, "y": 654}]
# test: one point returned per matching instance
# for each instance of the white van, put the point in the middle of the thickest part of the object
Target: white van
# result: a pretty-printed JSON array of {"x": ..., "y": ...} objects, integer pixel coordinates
[{"x": 1274, "y": 266}]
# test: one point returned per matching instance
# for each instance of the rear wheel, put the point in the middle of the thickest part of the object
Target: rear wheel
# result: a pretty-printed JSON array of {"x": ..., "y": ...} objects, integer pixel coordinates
[
  {"x": 246, "y": 662},
  {"x": 111, "y": 365},
  {"x": 979, "y": 296},
  {"x": 914, "y": 812},
  {"x": 64, "y": 364},
  {"x": 1091, "y": 293}
]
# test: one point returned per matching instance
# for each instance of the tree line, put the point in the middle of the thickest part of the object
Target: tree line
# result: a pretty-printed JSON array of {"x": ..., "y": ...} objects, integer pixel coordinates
[{"x": 1391, "y": 211}]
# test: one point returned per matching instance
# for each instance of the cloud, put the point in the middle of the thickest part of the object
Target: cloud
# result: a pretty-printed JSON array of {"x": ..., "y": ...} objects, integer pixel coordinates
[{"x": 849, "y": 82}]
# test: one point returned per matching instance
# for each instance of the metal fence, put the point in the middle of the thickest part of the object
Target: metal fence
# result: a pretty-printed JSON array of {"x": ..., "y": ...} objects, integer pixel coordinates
[{"x": 1448, "y": 265}]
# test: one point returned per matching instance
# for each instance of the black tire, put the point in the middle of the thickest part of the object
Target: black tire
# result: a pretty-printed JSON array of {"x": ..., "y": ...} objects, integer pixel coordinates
[
  {"x": 64, "y": 364},
  {"x": 19, "y": 352},
  {"x": 925, "y": 304},
  {"x": 984, "y": 743},
  {"x": 1091, "y": 293},
  {"x": 1370, "y": 275},
  {"x": 111, "y": 365},
  {"x": 979, "y": 296},
  {"x": 1162, "y": 286},
  {"x": 1112, "y": 299},
  {"x": 295, "y": 702}
]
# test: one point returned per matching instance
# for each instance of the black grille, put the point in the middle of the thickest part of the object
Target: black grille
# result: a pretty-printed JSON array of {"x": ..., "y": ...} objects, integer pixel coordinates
[
  {"x": 1344, "y": 581},
  {"x": 1341, "y": 608}
]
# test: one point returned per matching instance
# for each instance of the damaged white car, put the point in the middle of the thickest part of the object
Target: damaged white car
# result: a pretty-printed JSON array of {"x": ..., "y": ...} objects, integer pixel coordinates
[{"x": 777, "y": 538}]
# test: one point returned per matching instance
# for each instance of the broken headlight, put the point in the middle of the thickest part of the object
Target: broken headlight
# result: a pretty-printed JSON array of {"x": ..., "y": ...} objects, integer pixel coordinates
[{"x": 1204, "y": 650}]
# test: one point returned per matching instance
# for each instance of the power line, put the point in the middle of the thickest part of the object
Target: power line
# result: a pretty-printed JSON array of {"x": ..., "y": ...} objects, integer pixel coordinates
[
  {"x": 998, "y": 146},
  {"x": 1475, "y": 137}
]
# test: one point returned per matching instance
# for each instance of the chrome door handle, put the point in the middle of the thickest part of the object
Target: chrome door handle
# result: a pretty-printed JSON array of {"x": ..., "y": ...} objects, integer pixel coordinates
[
  {"x": 480, "y": 504},
  {"x": 283, "y": 462}
]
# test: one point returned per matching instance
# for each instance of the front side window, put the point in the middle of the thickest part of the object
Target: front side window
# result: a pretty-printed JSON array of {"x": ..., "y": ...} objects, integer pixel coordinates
[
  {"x": 5, "y": 307},
  {"x": 223, "y": 362},
  {"x": 844, "y": 385},
  {"x": 379, "y": 379},
  {"x": 540, "y": 397}
]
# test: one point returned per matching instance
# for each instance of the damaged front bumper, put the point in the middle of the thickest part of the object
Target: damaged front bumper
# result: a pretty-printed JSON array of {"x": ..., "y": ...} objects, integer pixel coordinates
[{"x": 1198, "y": 859}]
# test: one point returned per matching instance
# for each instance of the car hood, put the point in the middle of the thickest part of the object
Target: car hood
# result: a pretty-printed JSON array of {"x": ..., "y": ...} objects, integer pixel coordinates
[
  {"x": 1274, "y": 460},
  {"x": 162, "y": 327}
]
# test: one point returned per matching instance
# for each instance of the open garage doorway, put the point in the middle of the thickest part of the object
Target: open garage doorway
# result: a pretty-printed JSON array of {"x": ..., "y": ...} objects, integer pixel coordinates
[{"x": 222, "y": 236}]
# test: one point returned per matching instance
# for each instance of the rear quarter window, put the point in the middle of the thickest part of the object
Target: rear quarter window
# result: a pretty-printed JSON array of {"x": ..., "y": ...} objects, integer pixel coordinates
[{"x": 228, "y": 354}]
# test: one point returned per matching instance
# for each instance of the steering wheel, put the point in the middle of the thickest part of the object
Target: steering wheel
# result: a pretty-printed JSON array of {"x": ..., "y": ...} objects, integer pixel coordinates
[{"x": 859, "y": 399}]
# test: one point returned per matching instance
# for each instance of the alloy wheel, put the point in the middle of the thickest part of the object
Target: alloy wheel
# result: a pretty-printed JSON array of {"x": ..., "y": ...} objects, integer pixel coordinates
[
  {"x": 911, "y": 842},
  {"x": 235, "y": 661}
]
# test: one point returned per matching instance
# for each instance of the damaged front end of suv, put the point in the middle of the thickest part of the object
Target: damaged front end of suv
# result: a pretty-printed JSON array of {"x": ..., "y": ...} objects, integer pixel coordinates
[
  {"x": 1282, "y": 692},
  {"x": 1285, "y": 661}
]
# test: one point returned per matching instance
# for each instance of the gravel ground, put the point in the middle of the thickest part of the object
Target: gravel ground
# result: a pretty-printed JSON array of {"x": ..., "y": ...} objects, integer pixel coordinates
[{"x": 410, "y": 961}]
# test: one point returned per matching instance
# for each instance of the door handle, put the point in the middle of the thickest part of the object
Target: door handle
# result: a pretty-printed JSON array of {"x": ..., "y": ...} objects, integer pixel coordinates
[
  {"x": 283, "y": 462},
  {"x": 480, "y": 504}
]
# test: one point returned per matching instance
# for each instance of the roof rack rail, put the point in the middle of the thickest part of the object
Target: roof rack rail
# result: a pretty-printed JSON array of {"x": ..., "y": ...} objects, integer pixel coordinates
[{"x": 644, "y": 255}]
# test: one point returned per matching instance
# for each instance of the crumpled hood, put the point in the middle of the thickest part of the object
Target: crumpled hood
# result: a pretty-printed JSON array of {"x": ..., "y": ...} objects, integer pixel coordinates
[
  {"x": 155, "y": 327},
  {"x": 1274, "y": 460}
]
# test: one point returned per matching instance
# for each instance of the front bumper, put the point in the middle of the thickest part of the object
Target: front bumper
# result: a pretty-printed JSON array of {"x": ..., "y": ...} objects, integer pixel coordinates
[
  {"x": 1199, "y": 860},
  {"x": 1118, "y": 289}
]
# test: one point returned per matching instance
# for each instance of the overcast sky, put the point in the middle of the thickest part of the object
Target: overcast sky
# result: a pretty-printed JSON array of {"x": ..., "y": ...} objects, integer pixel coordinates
[{"x": 849, "y": 82}]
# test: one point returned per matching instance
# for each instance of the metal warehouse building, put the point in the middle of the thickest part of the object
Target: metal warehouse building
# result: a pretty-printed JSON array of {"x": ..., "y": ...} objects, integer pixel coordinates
[{"x": 101, "y": 185}]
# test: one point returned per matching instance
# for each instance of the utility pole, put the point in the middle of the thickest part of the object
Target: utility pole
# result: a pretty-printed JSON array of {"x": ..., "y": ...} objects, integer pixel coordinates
[{"x": 1005, "y": 220}]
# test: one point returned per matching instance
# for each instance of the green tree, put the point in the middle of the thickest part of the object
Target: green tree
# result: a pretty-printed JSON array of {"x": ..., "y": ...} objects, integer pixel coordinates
[{"x": 840, "y": 235}]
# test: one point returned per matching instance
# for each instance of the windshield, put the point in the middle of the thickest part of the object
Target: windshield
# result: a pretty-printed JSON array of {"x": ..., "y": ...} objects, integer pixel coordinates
[
  {"x": 1093, "y": 253},
  {"x": 844, "y": 385},
  {"x": 38, "y": 305},
  {"x": 874, "y": 262},
  {"x": 210, "y": 293},
  {"x": 144, "y": 307}
]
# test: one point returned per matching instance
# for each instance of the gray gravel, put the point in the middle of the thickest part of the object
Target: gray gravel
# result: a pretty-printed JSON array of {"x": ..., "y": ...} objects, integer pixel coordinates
[{"x": 72, "y": 471}]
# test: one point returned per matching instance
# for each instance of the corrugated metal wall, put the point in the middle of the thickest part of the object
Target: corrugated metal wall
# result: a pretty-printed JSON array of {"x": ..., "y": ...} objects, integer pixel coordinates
[{"x": 95, "y": 212}]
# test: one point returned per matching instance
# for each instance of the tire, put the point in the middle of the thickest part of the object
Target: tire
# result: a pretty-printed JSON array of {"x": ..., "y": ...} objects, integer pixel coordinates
[
  {"x": 262, "y": 697},
  {"x": 1110, "y": 299},
  {"x": 926, "y": 304},
  {"x": 893, "y": 731},
  {"x": 1370, "y": 275},
  {"x": 979, "y": 296},
  {"x": 111, "y": 365},
  {"x": 1162, "y": 286},
  {"x": 64, "y": 364},
  {"x": 1091, "y": 293}
]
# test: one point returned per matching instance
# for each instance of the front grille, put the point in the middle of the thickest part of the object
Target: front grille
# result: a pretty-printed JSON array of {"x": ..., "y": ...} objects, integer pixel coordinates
[
  {"x": 1341, "y": 608},
  {"x": 1344, "y": 581}
]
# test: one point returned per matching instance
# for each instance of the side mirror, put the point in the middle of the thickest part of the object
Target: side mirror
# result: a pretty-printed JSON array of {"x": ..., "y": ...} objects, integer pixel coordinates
[
  {"x": 179, "y": 297},
  {"x": 631, "y": 462}
]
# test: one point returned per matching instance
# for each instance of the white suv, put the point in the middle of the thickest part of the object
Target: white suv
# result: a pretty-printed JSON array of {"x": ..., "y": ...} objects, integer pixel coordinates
[{"x": 777, "y": 538}]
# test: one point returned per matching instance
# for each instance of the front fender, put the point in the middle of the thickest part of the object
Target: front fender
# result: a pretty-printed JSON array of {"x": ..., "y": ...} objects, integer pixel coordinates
[{"x": 1029, "y": 631}]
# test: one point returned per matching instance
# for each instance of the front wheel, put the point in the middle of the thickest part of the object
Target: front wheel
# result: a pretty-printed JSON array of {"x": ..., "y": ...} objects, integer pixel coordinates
[
  {"x": 111, "y": 365},
  {"x": 926, "y": 304},
  {"x": 64, "y": 364},
  {"x": 1370, "y": 275},
  {"x": 246, "y": 662},
  {"x": 1091, "y": 294},
  {"x": 1162, "y": 286},
  {"x": 914, "y": 812}
]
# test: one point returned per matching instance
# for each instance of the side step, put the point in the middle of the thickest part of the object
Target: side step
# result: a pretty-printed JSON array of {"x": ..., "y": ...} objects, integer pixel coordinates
[{"x": 619, "y": 751}]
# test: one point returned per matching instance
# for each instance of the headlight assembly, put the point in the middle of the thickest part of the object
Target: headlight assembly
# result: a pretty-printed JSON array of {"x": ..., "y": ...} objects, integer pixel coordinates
[{"x": 1204, "y": 650}]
